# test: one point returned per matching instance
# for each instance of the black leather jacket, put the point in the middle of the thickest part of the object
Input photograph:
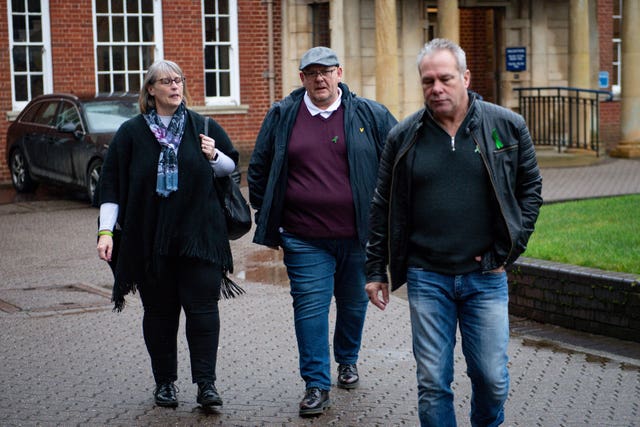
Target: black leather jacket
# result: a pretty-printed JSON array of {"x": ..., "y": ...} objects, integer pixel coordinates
[{"x": 515, "y": 179}]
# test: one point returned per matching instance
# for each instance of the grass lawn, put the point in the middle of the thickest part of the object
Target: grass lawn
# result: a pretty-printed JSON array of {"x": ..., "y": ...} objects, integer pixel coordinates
[{"x": 601, "y": 233}]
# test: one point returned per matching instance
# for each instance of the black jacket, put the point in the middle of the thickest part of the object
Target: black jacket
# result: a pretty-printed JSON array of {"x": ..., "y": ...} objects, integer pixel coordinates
[
  {"x": 366, "y": 126},
  {"x": 189, "y": 222},
  {"x": 515, "y": 179}
]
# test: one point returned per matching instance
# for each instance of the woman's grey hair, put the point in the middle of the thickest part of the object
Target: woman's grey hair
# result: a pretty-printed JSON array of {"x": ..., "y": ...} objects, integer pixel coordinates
[
  {"x": 436, "y": 45},
  {"x": 159, "y": 69}
]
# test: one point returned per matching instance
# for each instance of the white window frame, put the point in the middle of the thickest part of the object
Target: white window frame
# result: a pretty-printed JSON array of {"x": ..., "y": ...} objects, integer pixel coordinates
[
  {"x": 158, "y": 37},
  {"x": 617, "y": 45},
  {"x": 47, "y": 66},
  {"x": 234, "y": 76}
]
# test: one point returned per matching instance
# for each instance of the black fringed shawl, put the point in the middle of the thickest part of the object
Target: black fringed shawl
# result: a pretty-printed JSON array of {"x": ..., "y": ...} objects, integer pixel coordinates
[{"x": 189, "y": 222}]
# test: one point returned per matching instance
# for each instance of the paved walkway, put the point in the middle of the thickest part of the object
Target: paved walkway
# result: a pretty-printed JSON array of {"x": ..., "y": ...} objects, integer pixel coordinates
[
  {"x": 610, "y": 177},
  {"x": 68, "y": 360}
]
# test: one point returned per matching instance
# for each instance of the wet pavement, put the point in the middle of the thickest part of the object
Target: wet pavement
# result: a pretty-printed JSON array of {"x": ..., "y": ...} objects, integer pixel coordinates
[{"x": 67, "y": 359}]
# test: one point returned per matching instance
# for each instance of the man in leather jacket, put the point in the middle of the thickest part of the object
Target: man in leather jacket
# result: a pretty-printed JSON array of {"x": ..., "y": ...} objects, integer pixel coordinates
[
  {"x": 457, "y": 197},
  {"x": 311, "y": 179}
]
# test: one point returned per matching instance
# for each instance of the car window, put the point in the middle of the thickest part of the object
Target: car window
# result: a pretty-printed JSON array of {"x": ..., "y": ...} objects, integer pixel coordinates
[
  {"x": 108, "y": 115},
  {"x": 46, "y": 114},
  {"x": 30, "y": 112},
  {"x": 69, "y": 114}
]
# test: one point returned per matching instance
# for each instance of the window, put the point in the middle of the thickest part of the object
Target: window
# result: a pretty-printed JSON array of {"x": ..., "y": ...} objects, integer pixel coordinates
[
  {"x": 222, "y": 85},
  {"x": 30, "y": 47},
  {"x": 46, "y": 113},
  {"x": 69, "y": 117},
  {"x": 127, "y": 41},
  {"x": 430, "y": 22},
  {"x": 616, "y": 77},
  {"x": 107, "y": 116},
  {"x": 320, "y": 24}
]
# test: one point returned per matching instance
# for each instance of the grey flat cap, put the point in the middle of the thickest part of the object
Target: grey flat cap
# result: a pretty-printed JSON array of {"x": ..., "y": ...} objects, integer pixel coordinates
[{"x": 319, "y": 55}]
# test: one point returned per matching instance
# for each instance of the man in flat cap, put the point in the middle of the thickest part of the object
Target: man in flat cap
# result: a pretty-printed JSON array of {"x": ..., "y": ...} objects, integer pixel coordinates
[{"x": 311, "y": 179}]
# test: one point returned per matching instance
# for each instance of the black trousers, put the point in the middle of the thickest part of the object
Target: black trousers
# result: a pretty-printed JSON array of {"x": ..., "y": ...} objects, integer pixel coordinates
[{"x": 192, "y": 285}]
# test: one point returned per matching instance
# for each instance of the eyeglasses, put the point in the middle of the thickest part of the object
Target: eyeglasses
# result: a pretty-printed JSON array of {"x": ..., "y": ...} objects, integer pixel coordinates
[
  {"x": 167, "y": 81},
  {"x": 321, "y": 73}
]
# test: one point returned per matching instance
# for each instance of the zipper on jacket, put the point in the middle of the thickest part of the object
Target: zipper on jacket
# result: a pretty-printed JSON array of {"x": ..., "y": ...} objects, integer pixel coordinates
[
  {"x": 495, "y": 192},
  {"x": 453, "y": 143}
]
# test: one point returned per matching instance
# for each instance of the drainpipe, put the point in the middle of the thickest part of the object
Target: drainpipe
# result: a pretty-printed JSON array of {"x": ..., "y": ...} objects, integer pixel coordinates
[{"x": 270, "y": 73}]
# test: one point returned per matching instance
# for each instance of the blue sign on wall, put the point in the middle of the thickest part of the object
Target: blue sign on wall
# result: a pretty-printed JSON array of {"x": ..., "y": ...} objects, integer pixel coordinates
[
  {"x": 516, "y": 58},
  {"x": 603, "y": 79}
]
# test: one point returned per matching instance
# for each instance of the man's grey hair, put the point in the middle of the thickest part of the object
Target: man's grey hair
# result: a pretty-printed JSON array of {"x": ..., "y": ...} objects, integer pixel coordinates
[{"x": 436, "y": 45}]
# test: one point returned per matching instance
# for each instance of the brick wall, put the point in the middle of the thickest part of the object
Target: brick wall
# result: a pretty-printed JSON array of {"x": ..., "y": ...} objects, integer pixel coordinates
[
  {"x": 579, "y": 298},
  {"x": 182, "y": 27},
  {"x": 254, "y": 62},
  {"x": 475, "y": 31},
  {"x": 605, "y": 34},
  {"x": 609, "y": 125},
  {"x": 72, "y": 46},
  {"x": 5, "y": 89},
  {"x": 609, "y": 111}
]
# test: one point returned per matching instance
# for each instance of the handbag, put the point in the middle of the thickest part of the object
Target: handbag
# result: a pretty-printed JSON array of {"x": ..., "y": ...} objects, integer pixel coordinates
[{"x": 236, "y": 210}]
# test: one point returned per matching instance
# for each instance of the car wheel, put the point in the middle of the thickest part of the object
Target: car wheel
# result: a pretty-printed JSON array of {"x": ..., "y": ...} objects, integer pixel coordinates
[
  {"x": 20, "y": 176},
  {"x": 93, "y": 177}
]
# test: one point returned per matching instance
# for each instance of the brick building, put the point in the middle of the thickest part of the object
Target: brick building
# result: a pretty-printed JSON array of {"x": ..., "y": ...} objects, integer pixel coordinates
[
  {"x": 95, "y": 46},
  {"x": 241, "y": 55}
]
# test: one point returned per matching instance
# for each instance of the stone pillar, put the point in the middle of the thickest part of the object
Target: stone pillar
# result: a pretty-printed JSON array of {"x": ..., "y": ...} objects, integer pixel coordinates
[
  {"x": 539, "y": 47},
  {"x": 579, "y": 59},
  {"x": 449, "y": 20},
  {"x": 629, "y": 145},
  {"x": 411, "y": 41},
  {"x": 336, "y": 27},
  {"x": 387, "y": 71},
  {"x": 352, "y": 59}
]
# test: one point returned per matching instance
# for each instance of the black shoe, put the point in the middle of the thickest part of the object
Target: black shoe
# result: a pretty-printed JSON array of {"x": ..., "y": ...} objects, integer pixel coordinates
[
  {"x": 348, "y": 376},
  {"x": 314, "y": 402},
  {"x": 208, "y": 395},
  {"x": 165, "y": 395}
]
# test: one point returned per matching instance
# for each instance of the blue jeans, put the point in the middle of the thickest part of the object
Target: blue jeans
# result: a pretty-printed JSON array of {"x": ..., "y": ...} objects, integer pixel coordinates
[
  {"x": 319, "y": 269},
  {"x": 479, "y": 304}
]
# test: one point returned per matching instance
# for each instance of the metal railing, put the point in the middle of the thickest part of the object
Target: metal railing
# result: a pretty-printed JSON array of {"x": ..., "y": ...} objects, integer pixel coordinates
[{"x": 563, "y": 117}]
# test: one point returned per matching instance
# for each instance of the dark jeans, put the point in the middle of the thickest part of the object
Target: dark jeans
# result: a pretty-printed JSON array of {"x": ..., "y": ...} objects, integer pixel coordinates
[{"x": 194, "y": 286}]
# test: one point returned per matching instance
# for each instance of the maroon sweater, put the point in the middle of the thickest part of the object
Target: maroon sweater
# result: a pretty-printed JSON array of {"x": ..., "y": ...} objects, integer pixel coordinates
[{"x": 318, "y": 201}]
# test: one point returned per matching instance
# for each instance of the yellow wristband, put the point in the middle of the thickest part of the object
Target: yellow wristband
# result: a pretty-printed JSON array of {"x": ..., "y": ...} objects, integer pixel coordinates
[{"x": 105, "y": 233}]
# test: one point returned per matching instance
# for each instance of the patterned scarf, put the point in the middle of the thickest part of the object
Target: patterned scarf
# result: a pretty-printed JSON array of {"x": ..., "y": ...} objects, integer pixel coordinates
[{"x": 169, "y": 139}]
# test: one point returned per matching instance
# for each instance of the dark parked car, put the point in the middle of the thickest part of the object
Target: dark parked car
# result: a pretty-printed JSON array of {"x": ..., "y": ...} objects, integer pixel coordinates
[{"x": 62, "y": 139}]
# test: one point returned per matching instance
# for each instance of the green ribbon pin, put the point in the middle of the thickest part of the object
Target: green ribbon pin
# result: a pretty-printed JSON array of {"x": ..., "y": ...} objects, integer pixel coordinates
[{"x": 496, "y": 139}]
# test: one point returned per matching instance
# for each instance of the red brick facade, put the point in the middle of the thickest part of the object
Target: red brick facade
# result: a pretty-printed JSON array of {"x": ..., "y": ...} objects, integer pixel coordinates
[
  {"x": 609, "y": 111},
  {"x": 477, "y": 38},
  {"x": 254, "y": 62},
  {"x": 5, "y": 88},
  {"x": 74, "y": 64},
  {"x": 73, "y": 59}
]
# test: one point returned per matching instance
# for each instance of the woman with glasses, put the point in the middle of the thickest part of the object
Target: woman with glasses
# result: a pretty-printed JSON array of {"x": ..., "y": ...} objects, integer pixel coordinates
[{"x": 157, "y": 191}]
